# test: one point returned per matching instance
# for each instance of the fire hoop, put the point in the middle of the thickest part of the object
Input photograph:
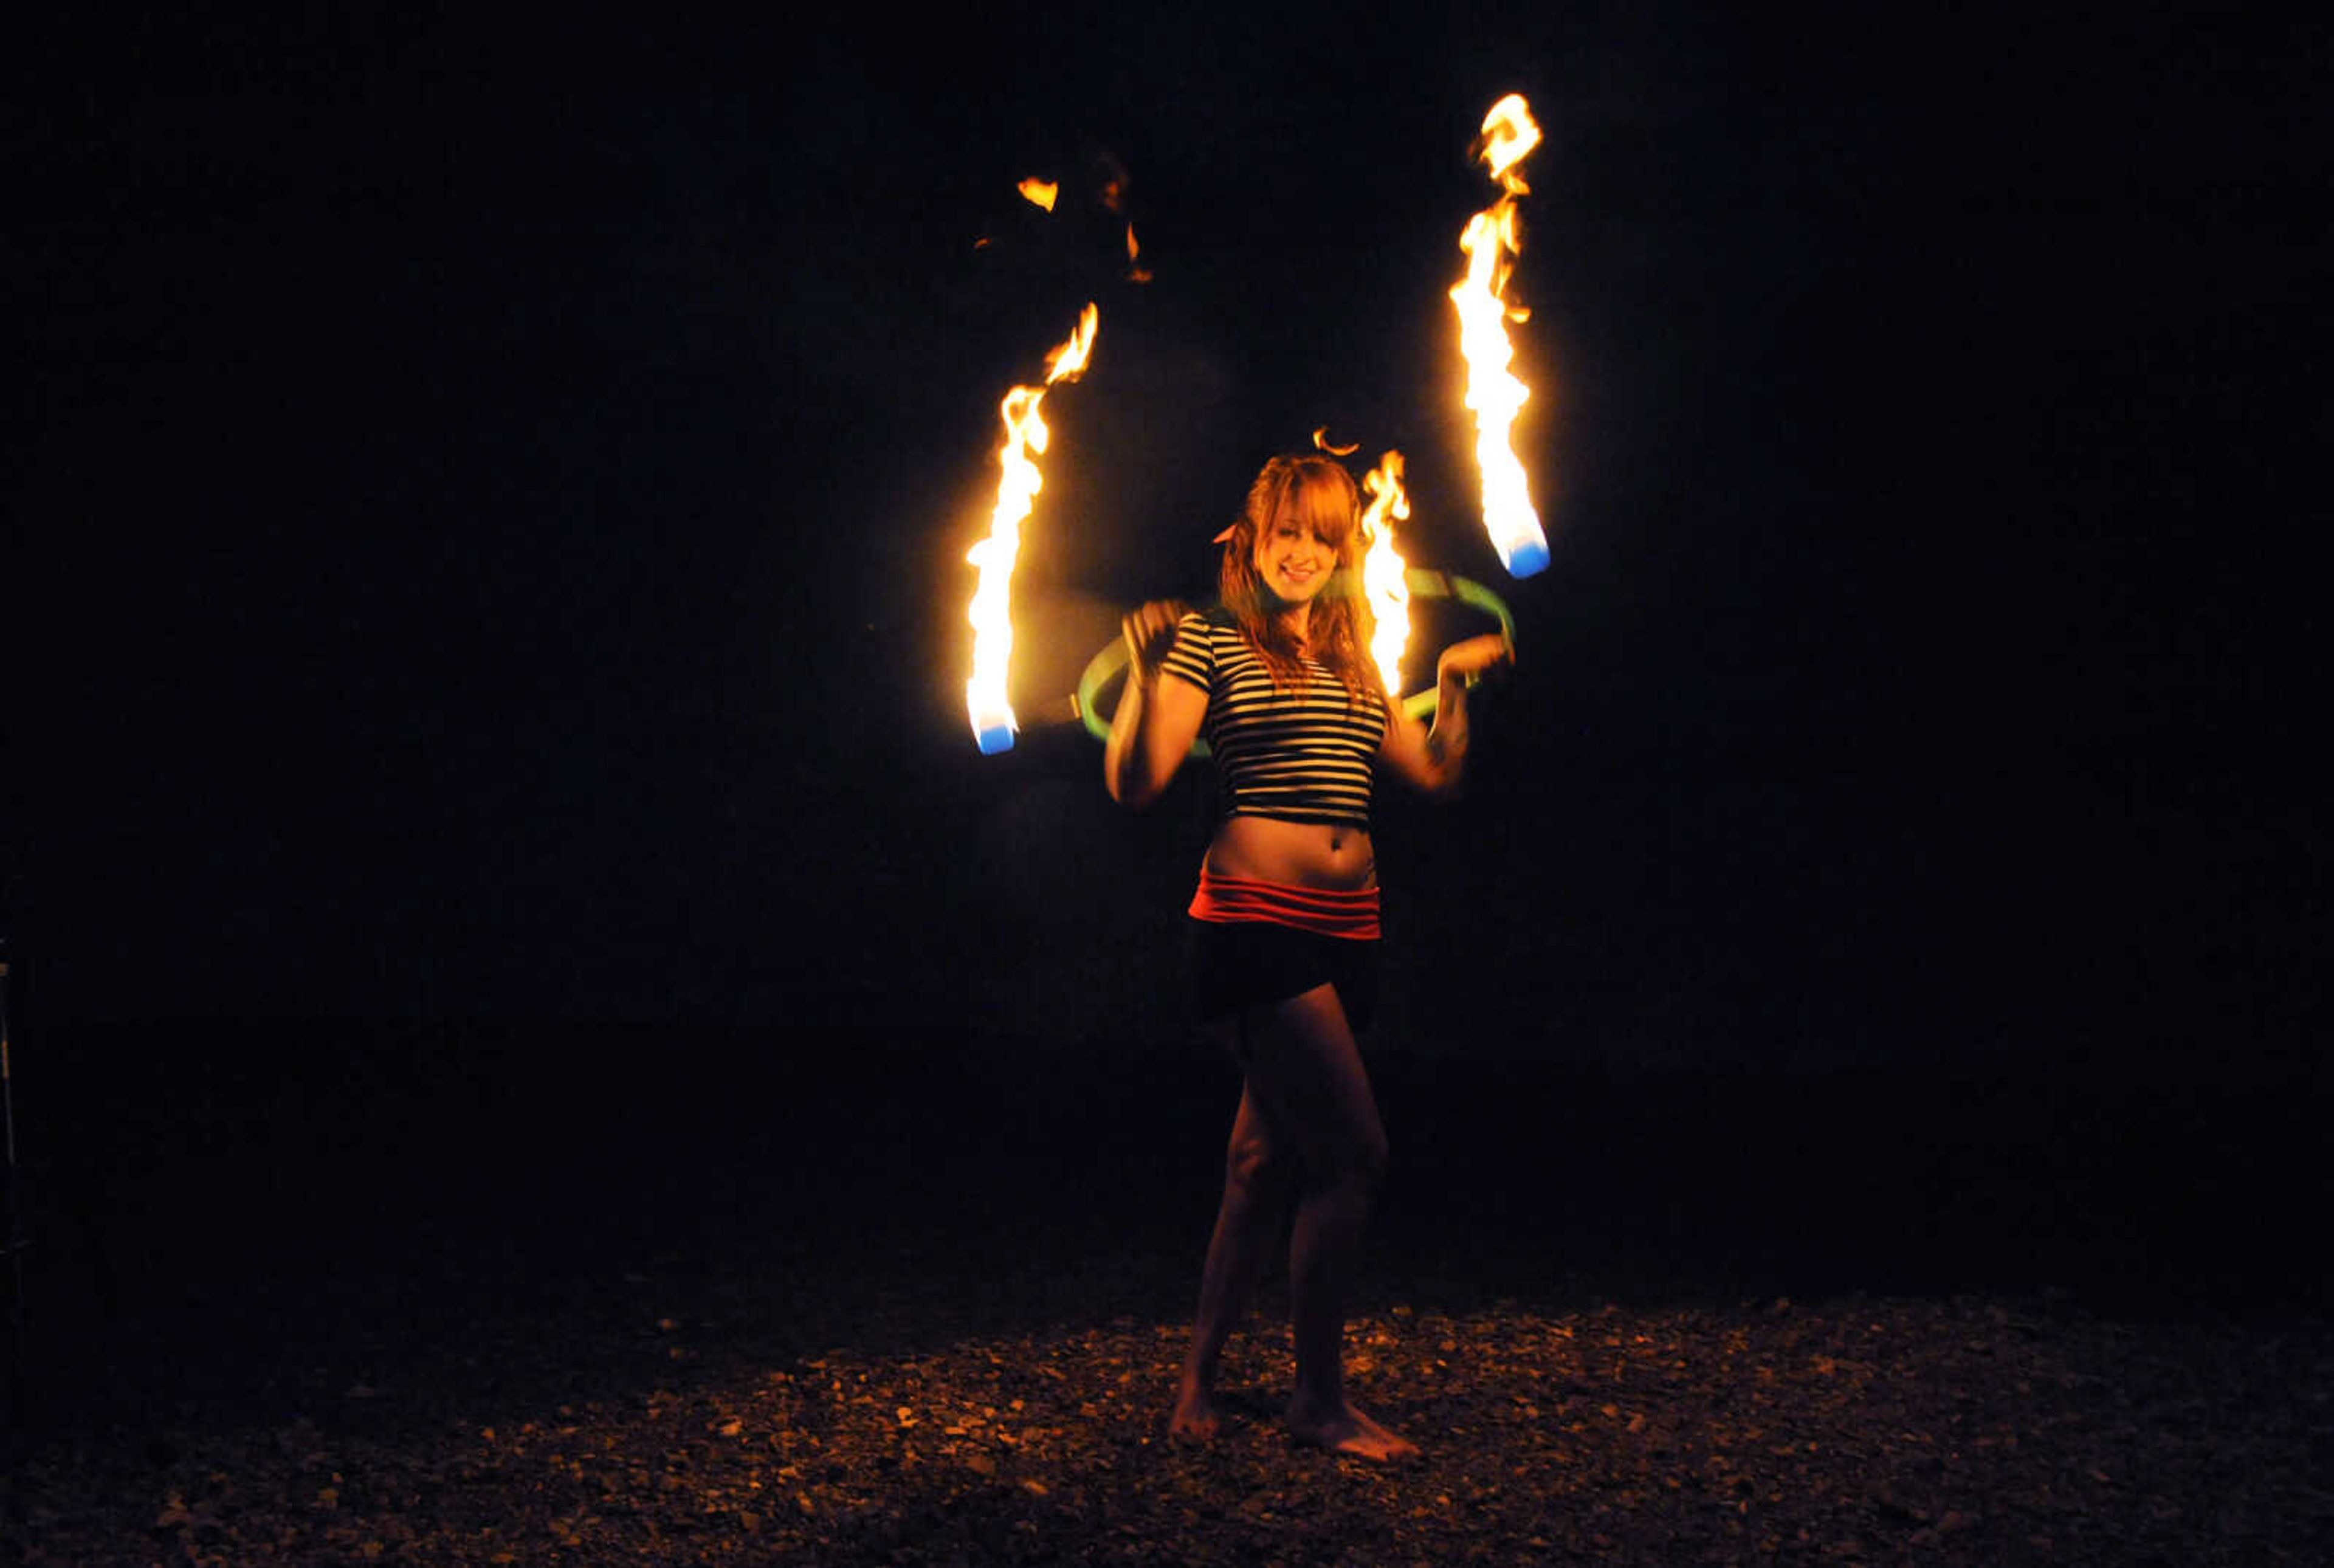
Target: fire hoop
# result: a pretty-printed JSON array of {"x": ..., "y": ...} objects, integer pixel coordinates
[{"x": 1423, "y": 584}]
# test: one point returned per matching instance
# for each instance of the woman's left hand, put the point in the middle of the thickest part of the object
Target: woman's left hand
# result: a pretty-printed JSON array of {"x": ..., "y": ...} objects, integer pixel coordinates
[{"x": 1476, "y": 655}]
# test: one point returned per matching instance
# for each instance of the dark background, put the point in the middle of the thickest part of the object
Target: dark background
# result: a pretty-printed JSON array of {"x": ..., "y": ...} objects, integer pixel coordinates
[{"x": 487, "y": 510}]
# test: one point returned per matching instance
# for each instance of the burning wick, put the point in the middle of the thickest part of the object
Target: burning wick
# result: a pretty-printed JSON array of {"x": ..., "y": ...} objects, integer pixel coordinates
[
  {"x": 993, "y": 600},
  {"x": 1493, "y": 394},
  {"x": 1385, "y": 580}
]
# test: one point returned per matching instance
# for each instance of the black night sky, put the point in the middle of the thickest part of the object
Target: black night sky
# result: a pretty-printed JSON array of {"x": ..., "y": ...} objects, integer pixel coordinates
[{"x": 490, "y": 509}]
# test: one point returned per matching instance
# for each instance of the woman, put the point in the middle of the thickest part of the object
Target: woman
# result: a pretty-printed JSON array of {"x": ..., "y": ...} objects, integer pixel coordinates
[{"x": 1283, "y": 930}]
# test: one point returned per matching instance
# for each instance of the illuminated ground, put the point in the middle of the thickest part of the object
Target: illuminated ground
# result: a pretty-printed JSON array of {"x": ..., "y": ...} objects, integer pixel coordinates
[{"x": 491, "y": 1315}]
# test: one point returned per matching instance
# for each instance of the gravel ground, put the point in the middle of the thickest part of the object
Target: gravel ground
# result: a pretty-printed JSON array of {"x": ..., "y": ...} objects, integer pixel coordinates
[
  {"x": 953, "y": 1342},
  {"x": 1975, "y": 1430}
]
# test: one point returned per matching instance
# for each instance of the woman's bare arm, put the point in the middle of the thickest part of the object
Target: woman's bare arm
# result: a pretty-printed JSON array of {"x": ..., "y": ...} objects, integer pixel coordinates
[
  {"x": 1435, "y": 759},
  {"x": 1157, "y": 719}
]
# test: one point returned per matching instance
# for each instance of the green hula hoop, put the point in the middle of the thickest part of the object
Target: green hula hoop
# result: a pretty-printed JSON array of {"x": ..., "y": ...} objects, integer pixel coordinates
[{"x": 1423, "y": 583}]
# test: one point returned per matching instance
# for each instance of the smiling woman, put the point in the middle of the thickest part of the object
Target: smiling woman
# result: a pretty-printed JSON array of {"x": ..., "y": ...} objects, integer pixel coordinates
[{"x": 1283, "y": 935}]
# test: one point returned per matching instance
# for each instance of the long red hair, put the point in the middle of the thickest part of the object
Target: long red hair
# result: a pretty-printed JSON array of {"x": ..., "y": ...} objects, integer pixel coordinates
[{"x": 1316, "y": 492}]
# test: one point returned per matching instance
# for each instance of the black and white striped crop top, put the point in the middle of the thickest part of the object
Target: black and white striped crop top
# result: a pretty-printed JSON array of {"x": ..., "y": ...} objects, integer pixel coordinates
[{"x": 1298, "y": 756}]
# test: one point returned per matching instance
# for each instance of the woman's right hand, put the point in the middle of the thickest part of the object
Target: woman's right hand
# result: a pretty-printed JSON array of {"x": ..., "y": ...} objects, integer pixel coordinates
[
  {"x": 1150, "y": 632},
  {"x": 1157, "y": 720}
]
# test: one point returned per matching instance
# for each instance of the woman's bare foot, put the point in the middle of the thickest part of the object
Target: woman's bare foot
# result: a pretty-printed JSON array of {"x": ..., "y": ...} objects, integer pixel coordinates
[
  {"x": 1346, "y": 1430},
  {"x": 1196, "y": 1418}
]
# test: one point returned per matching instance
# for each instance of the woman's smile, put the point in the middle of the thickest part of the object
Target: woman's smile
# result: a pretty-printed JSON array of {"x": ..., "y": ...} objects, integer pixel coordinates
[{"x": 1295, "y": 562}]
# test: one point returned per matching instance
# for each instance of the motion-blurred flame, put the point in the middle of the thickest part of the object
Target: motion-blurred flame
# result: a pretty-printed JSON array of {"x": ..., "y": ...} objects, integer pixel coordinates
[
  {"x": 1495, "y": 395},
  {"x": 1040, "y": 191},
  {"x": 1321, "y": 443},
  {"x": 1508, "y": 135},
  {"x": 1016, "y": 486},
  {"x": 1384, "y": 578}
]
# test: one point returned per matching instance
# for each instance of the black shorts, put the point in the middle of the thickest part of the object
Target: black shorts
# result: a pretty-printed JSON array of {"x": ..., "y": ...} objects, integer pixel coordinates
[{"x": 1231, "y": 965}]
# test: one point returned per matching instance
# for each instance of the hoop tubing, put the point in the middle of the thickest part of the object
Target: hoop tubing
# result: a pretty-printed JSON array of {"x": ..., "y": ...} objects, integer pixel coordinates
[{"x": 1423, "y": 583}]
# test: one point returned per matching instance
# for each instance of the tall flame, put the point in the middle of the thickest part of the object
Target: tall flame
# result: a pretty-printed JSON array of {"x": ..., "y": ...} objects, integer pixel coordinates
[
  {"x": 1025, "y": 436},
  {"x": 1489, "y": 241},
  {"x": 1384, "y": 579}
]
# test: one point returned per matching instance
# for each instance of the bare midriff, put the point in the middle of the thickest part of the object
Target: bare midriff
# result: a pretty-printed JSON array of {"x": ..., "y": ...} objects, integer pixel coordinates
[{"x": 1332, "y": 855}]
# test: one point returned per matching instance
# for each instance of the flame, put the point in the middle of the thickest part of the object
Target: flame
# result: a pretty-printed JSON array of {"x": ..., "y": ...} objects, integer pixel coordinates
[
  {"x": 1489, "y": 241},
  {"x": 1508, "y": 135},
  {"x": 993, "y": 600},
  {"x": 1040, "y": 191},
  {"x": 1136, "y": 271},
  {"x": 1384, "y": 579}
]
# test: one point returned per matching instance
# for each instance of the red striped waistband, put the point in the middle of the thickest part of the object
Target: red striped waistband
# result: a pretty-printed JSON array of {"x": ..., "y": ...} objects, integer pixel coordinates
[{"x": 1322, "y": 910}]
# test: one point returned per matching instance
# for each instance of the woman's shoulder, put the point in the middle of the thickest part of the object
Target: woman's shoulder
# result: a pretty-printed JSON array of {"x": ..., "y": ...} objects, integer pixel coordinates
[
  {"x": 1210, "y": 626},
  {"x": 1200, "y": 646}
]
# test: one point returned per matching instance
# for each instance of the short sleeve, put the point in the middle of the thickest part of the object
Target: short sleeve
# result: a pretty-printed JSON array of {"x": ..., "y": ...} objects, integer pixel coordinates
[{"x": 1192, "y": 657}]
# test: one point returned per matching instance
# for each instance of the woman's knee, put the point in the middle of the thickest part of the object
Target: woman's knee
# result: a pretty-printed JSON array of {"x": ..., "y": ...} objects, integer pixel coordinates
[{"x": 1253, "y": 1163}]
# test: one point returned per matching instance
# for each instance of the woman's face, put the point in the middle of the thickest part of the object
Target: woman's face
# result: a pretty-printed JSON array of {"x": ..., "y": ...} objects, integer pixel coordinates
[{"x": 1294, "y": 559}]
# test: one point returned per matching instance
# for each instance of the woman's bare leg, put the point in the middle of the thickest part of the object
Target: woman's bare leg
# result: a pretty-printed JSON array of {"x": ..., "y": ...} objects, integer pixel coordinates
[
  {"x": 1305, "y": 1071},
  {"x": 1248, "y": 1222}
]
